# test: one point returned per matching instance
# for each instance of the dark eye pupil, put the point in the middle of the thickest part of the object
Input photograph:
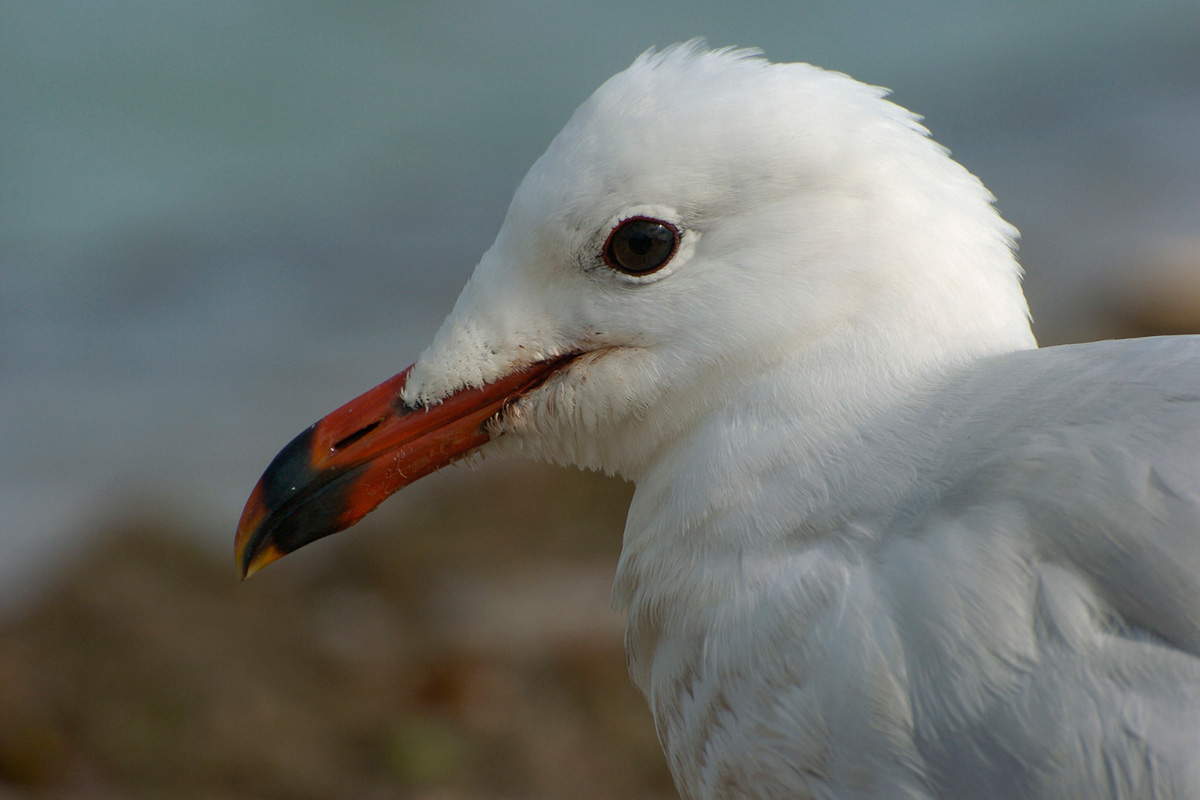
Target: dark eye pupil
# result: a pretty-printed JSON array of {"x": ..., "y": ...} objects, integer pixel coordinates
[
  {"x": 639, "y": 246},
  {"x": 640, "y": 243}
]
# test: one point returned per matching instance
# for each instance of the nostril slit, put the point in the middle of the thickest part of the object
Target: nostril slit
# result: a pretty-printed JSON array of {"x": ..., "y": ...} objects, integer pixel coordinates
[{"x": 358, "y": 434}]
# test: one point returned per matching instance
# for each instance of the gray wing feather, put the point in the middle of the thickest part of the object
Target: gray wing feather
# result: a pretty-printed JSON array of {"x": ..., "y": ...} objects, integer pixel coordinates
[
  {"x": 1107, "y": 469},
  {"x": 1067, "y": 532}
]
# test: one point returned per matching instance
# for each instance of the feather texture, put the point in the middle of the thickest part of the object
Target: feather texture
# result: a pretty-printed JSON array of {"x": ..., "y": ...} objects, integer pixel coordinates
[{"x": 881, "y": 545}]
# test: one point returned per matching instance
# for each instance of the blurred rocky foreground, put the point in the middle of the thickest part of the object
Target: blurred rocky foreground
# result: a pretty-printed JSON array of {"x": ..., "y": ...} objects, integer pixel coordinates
[{"x": 457, "y": 644}]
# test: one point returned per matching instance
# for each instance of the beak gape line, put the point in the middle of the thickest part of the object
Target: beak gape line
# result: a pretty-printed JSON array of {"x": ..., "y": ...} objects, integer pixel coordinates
[{"x": 346, "y": 464}]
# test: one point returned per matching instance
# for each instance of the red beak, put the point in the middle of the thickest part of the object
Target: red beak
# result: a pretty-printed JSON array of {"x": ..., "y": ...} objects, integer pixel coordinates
[{"x": 336, "y": 472}]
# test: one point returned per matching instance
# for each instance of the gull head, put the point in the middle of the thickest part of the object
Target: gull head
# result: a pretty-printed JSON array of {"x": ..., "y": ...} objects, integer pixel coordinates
[{"x": 704, "y": 219}]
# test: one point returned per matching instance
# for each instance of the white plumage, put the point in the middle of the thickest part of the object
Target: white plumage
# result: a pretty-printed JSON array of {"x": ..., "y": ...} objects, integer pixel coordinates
[{"x": 881, "y": 545}]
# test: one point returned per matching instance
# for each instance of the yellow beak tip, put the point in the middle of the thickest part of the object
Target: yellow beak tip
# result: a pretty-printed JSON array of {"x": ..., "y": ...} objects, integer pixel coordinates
[{"x": 262, "y": 558}]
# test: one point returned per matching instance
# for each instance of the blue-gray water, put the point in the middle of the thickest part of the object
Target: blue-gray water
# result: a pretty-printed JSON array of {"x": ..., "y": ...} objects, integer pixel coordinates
[{"x": 219, "y": 220}]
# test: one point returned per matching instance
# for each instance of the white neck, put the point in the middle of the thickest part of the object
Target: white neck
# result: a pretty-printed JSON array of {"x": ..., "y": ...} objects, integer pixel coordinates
[{"x": 792, "y": 443}]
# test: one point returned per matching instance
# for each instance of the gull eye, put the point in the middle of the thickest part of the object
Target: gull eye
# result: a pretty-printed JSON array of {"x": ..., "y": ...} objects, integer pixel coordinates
[{"x": 640, "y": 245}]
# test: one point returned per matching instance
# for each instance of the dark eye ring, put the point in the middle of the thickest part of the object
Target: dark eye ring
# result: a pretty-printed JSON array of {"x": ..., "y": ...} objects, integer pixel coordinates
[{"x": 640, "y": 245}]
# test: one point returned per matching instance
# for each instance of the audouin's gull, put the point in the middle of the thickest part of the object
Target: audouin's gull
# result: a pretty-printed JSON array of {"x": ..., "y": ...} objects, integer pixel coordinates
[{"x": 881, "y": 546}]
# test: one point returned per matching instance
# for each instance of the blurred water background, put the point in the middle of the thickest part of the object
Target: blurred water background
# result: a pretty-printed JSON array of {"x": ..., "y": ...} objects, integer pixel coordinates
[{"x": 219, "y": 220}]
